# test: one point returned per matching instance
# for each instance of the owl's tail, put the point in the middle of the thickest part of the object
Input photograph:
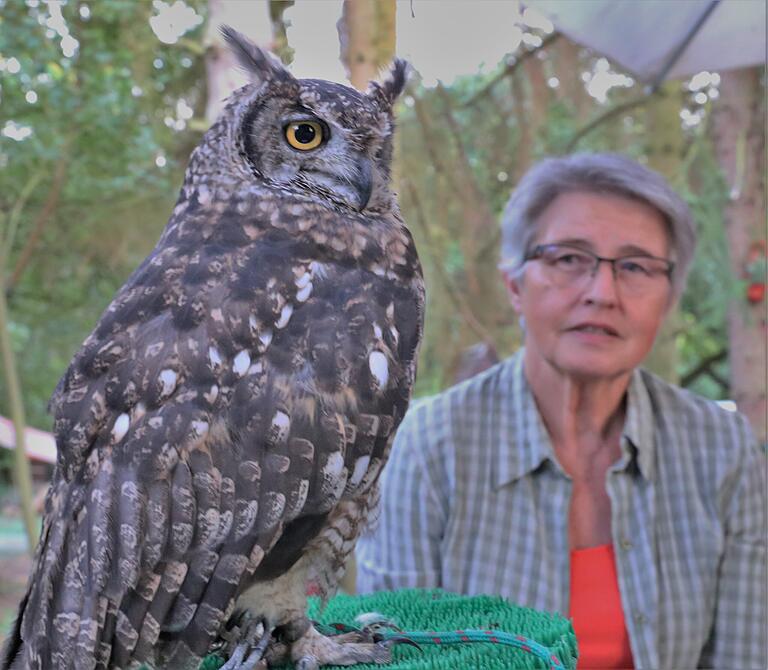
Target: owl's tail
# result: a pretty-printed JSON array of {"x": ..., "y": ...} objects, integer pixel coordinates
[{"x": 33, "y": 635}]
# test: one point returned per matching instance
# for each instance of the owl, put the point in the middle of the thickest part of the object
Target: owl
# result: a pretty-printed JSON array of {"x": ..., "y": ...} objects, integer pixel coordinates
[{"x": 221, "y": 431}]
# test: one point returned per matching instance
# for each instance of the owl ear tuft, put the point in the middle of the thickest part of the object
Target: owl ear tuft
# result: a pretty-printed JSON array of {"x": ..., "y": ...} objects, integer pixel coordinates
[
  {"x": 389, "y": 89},
  {"x": 260, "y": 65}
]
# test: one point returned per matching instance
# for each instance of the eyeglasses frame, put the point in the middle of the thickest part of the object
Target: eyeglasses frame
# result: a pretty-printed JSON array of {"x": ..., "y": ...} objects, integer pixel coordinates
[{"x": 537, "y": 253}]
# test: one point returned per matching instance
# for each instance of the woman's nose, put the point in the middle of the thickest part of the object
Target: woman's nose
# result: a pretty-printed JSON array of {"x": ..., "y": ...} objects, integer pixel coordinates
[{"x": 601, "y": 283}]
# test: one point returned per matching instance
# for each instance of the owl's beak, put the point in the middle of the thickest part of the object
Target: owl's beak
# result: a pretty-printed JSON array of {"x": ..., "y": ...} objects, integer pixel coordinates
[{"x": 364, "y": 181}]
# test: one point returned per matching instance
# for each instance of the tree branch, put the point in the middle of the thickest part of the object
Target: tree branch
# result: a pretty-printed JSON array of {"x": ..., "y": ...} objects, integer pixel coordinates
[
  {"x": 59, "y": 177},
  {"x": 7, "y": 237},
  {"x": 478, "y": 214},
  {"x": 605, "y": 116},
  {"x": 429, "y": 141},
  {"x": 454, "y": 294},
  {"x": 509, "y": 69},
  {"x": 704, "y": 367}
]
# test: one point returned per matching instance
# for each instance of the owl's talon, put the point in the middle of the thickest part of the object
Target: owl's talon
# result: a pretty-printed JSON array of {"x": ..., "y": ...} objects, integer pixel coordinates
[
  {"x": 400, "y": 640},
  {"x": 238, "y": 661},
  {"x": 236, "y": 658},
  {"x": 254, "y": 649}
]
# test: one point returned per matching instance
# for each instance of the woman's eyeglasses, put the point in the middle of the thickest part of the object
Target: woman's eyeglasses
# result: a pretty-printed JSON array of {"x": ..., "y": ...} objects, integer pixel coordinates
[{"x": 566, "y": 264}]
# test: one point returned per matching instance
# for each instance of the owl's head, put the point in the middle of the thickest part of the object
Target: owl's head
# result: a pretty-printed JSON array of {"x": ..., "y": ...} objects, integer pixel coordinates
[{"x": 316, "y": 138}]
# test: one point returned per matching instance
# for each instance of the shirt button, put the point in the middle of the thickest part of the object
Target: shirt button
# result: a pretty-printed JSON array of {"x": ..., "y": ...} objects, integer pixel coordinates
[
  {"x": 640, "y": 618},
  {"x": 625, "y": 543}
]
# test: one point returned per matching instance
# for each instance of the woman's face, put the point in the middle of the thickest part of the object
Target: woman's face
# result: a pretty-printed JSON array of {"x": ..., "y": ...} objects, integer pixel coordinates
[{"x": 591, "y": 328}]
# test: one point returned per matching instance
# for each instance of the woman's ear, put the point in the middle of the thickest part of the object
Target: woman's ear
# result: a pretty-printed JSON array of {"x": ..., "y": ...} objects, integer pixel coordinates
[
  {"x": 514, "y": 287},
  {"x": 672, "y": 303}
]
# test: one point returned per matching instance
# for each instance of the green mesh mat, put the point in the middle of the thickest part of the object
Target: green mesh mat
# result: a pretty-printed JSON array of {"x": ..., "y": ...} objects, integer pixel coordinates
[{"x": 427, "y": 611}]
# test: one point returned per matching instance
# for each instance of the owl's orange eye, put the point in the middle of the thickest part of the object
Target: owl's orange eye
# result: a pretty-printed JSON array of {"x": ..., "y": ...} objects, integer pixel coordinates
[{"x": 304, "y": 135}]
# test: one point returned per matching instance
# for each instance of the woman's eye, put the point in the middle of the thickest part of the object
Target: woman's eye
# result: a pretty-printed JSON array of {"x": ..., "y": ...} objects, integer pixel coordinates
[
  {"x": 304, "y": 135},
  {"x": 631, "y": 267},
  {"x": 570, "y": 259}
]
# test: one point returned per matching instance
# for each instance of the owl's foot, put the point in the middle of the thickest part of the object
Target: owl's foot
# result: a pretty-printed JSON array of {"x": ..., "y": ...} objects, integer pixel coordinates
[
  {"x": 314, "y": 650},
  {"x": 373, "y": 626},
  {"x": 249, "y": 652}
]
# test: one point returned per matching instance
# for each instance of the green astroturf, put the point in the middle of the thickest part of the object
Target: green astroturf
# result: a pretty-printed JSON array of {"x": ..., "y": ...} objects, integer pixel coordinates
[{"x": 418, "y": 610}]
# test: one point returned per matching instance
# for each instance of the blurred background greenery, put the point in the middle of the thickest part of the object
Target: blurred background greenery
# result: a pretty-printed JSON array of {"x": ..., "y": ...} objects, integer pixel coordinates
[{"x": 102, "y": 102}]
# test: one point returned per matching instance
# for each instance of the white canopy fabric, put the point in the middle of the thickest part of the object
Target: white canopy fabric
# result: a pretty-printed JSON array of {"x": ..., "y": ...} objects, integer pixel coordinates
[{"x": 647, "y": 37}]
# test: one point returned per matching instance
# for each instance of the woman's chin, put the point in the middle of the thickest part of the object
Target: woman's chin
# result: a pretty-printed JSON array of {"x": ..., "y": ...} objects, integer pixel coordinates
[{"x": 591, "y": 366}]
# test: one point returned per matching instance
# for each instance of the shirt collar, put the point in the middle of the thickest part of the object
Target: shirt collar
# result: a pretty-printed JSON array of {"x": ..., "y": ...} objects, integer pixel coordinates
[
  {"x": 525, "y": 443},
  {"x": 639, "y": 423}
]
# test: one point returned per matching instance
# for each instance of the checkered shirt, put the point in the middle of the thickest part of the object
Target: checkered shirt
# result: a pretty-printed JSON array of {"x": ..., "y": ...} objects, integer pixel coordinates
[{"x": 474, "y": 501}]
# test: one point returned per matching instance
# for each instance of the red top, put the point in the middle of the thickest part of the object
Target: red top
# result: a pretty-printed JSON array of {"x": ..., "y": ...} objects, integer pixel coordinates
[{"x": 596, "y": 610}]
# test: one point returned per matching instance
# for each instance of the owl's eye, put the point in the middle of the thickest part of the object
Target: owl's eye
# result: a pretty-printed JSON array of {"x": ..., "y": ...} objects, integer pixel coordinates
[{"x": 304, "y": 135}]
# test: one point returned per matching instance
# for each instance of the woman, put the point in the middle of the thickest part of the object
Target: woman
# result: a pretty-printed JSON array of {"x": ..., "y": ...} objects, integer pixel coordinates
[{"x": 569, "y": 479}]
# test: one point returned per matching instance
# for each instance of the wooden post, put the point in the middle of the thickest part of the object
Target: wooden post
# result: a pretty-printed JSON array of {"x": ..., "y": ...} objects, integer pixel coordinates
[
  {"x": 665, "y": 149},
  {"x": 738, "y": 133}
]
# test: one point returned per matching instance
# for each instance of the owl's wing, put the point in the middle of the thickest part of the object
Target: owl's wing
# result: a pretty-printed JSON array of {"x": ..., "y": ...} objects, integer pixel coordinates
[
  {"x": 215, "y": 403},
  {"x": 136, "y": 501}
]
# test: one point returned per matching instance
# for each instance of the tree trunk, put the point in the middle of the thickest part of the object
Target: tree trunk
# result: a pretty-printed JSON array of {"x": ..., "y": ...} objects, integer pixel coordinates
[
  {"x": 367, "y": 38},
  {"x": 665, "y": 148},
  {"x": 568, "y": 68},
  {"x": 738, "y": 133},
  {"x": 539, "y": 95},
  {"x": 524, "y": 150}
]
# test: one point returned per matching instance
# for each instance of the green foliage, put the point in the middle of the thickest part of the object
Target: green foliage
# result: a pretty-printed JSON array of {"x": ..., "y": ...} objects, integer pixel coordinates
[
  {"x": 106, "y": 113},
  {"x": 101, "y": 116},
  {"x": 711, "y": 285},
  {"x": 502, "y": 132}
]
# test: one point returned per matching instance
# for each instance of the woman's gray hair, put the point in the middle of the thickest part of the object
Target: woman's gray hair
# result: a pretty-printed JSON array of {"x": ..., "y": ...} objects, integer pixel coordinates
[{"x": 610, "y": 174}]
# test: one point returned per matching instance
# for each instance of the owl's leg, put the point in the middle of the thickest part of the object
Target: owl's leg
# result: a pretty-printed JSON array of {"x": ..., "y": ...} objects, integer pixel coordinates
[{"x": 277, "y": 606}]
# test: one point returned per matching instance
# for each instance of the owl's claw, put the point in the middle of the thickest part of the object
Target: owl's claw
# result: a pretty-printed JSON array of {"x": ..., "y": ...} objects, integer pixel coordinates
[
  {"x": 400, "y": 640},
  {"x": 249, "y": 654}
]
